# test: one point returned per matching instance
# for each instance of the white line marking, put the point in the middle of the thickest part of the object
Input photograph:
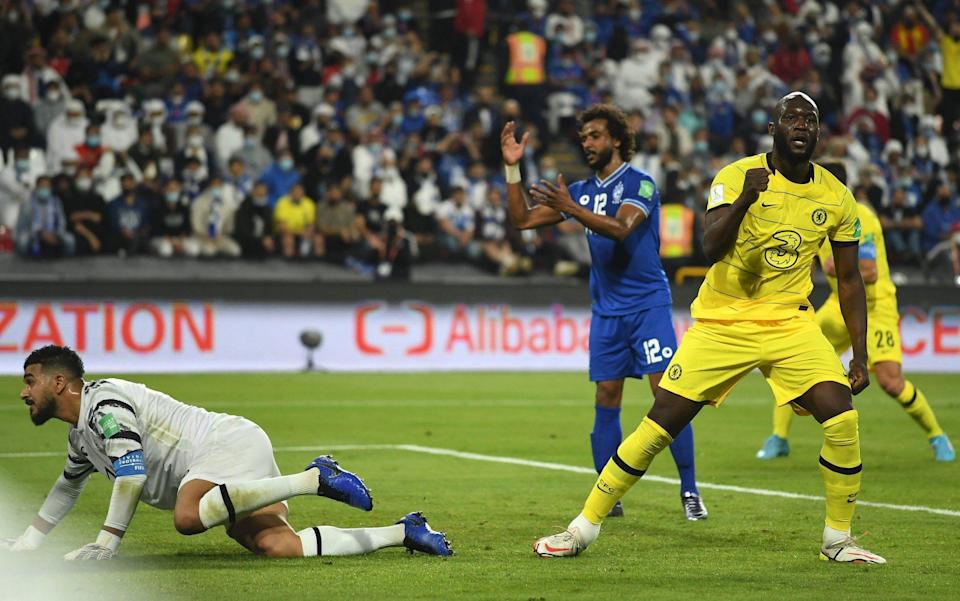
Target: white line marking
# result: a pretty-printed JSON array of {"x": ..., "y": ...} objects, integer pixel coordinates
[{"x": 559, "y": 467}]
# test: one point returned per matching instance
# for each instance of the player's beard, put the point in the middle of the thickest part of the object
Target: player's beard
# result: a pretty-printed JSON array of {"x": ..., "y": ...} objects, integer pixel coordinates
[
  {"x": 601, "y": 159},
  {"x": 785, "y": 150},
  {"x": 45, "y": 410}
]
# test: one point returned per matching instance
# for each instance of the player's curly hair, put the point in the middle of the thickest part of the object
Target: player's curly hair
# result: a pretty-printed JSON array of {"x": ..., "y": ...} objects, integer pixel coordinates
[
  {"x": 53, "y": 357},
  {"x": 616, "y": 124}
]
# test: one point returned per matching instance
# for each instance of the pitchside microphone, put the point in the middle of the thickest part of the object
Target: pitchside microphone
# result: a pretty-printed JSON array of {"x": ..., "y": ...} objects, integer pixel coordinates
[{"x": 311, "y": 339}]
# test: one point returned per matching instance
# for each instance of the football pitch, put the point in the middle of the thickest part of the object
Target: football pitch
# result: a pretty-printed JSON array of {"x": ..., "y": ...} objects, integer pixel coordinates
[{"x": 496, "y": 460}]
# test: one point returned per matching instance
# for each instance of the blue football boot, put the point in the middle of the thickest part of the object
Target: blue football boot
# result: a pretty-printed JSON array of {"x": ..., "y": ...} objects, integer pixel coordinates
[
  {"x": 942, "y": 449},
  {"x": 774, "y": 447},
  {"x": 340, "y": 485},
  {"x": 419, "y": 536}
]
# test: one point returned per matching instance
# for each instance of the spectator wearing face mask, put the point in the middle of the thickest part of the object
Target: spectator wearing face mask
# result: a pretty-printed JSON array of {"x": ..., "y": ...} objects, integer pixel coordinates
[
  {"x": 212, "y": 59},
  {"x": 254, "y": 224},
  {"x": 193, "y": 118},
  {"x": 255, "y": 158},
  {"x": 171, "y": 224},
  {"x": 941, "y": 225},
  {"x": 157, "y": 65},
  {"x": 119, "y": 131},
  {"x": 238, "y": 178},
  {"x": 155, "y": 119},
  {"x": 194, "y": 148},
  {"x": 949, "y": 42},
  {"x": 143, "y": 152},
  {"x": 17, "y": 181},
  {"x": 229, "y": 137},
  {"x": 261, "y": 111},
  {"x": 280, "y": 177},
  {"x": 42, "y": 225},
  {"x": 128, "y": 220},
  {"x": 38, "y": 77},
  {"x": 85, "y": 211},
  {"x": 48, "y": 107},
  {"x": 337, "y": 223},
  {"x": 193, "y": 178},
  {"x": 176, "y": 102},
  {"x": 91, "y": 150},
  {"x": 901, "y": 225},
  {"x": 294, "y": 222},
  {"x": 16, "y": 116},
  {"x": 212, "y": 218},
  {"x": 66, "y": 133}
]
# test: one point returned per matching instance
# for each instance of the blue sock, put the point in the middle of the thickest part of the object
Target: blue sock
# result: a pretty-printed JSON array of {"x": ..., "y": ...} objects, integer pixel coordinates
[
  {"x": 682, "y": 450},
  {"x": 606, "y": 435}
]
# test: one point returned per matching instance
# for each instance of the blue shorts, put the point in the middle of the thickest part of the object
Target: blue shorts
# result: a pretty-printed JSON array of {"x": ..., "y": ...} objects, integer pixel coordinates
[{"x": 629, "y": 346}]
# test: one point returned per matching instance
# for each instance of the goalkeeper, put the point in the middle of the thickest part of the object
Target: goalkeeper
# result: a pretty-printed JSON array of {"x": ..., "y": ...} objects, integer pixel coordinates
[{"x": 211, "y": 469}]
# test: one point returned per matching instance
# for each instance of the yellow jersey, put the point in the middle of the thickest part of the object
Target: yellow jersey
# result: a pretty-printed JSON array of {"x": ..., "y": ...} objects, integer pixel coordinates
[
  {"x": 871, "y": 247},
  {"x": 950, "y": 50},
  {"x": 297, "y": 217},
  {"x": 765, "y": 274}
]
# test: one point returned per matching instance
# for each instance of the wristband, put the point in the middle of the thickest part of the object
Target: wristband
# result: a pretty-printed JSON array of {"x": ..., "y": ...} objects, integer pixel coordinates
[
  {"x": 32, "y": 537},
  {"x": 108, "y": 540},
  {"x": 512, "y": 173}
]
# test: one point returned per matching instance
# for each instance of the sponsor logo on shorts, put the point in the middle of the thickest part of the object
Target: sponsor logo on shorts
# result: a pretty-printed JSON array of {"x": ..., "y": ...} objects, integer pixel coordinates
[
  {"x": 675, "y": 371},
  {"x": 819, "y": 216}
]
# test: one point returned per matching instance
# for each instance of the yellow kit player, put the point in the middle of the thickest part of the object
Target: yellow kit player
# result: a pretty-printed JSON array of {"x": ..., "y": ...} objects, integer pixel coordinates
[
  {"x": 767, "y": 216},
  {"x": 884, "y": 357}
]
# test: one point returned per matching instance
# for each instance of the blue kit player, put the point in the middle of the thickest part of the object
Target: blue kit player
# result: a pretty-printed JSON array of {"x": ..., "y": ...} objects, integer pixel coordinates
[{"x": 631, "y": 330}]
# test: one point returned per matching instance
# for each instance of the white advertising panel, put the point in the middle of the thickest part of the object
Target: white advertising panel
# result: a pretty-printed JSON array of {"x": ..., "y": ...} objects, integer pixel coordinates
[{"x": 117, "y": 337}]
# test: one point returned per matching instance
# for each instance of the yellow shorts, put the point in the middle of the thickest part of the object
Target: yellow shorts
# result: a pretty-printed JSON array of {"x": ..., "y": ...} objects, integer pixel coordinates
[
  {"x": 792, "y": 354},
  {"x": 883, "y": 330}
]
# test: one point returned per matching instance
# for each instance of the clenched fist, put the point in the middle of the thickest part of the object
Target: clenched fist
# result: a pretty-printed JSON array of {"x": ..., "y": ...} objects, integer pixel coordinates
[{"x": 754, "y": 182}]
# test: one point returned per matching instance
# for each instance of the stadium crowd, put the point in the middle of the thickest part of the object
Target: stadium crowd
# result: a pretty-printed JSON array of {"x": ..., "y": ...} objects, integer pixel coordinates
[{"x": 360, "y": 133}]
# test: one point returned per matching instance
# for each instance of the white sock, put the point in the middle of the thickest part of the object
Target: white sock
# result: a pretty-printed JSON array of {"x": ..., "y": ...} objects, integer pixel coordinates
[
  {"x": 832, "y": 535},
  {"x": 329, "y": 541},
  {"x": 228, "y": 502},
  {"x": 584, "y": 529}
]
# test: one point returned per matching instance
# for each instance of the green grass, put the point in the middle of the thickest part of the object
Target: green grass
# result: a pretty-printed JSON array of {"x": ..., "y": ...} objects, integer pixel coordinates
[{"x": 752, "y": 547}]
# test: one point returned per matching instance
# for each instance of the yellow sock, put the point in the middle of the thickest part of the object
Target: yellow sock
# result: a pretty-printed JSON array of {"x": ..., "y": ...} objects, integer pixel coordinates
[
  {"x": 840, "y": 468},
  {"x": 782, "y": 416},
  {"x": 627, "y": 465},
  {"x": 915, "y": 404}
]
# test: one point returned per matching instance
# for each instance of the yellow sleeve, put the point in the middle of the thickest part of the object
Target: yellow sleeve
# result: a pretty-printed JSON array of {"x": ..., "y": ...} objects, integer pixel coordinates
[
  {"x": 199, "y": 59},
  {"x": 310, "y": 208},
  {"x": 280, "y": 213},
  {"x": 848, "y": 228},
  {"x": 726, "y": 187}
]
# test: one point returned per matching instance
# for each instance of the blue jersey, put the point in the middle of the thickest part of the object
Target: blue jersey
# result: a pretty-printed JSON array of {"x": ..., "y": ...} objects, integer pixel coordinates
[{"x": 627, "y": 276}]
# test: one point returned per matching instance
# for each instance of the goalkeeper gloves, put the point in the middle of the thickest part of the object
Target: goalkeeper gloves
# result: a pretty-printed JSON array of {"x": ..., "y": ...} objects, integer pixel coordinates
[
  {"x": 105, "y": 547},
  {"x": 28, "y": 541}
]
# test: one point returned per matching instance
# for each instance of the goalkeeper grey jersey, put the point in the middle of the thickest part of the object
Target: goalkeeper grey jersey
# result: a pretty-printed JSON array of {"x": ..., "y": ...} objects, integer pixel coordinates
[{"x": 126, "y": 428}]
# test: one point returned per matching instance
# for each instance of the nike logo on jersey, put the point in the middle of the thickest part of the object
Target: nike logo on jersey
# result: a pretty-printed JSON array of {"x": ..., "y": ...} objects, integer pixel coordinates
[{"x": 766, "y": 206}]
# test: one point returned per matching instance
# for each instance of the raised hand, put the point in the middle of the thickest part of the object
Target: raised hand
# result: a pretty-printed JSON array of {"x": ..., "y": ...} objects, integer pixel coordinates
[
  {"x": 754, "y": 182},
  {"x": 511, "y": 149},
  {"x": 554, "y": 195}
]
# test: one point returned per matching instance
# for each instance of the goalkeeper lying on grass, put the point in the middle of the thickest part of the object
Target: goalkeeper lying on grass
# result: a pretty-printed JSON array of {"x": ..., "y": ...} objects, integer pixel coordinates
[{"x": 211, "y": 469}]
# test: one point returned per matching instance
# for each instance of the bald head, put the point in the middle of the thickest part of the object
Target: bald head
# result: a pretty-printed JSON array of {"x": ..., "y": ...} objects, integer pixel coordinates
[{"x": 794, "y": 97}]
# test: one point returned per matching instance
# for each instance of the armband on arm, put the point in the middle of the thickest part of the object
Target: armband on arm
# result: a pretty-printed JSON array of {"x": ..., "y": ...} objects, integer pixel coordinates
[{"x": 131, "y": 476}]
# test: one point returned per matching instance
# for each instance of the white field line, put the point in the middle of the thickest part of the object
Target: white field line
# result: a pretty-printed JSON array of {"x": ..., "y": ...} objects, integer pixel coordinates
[{"x": 560, "y": 467}]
